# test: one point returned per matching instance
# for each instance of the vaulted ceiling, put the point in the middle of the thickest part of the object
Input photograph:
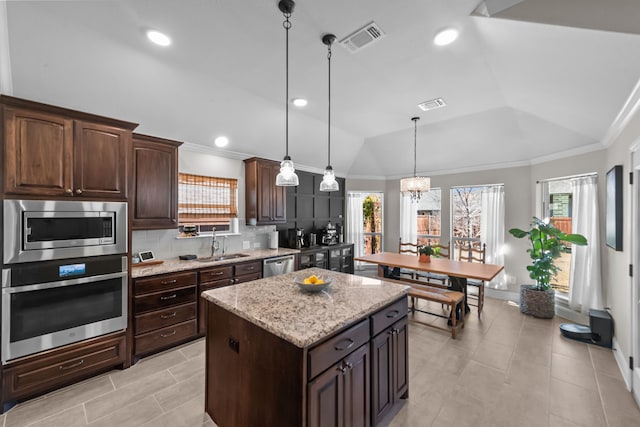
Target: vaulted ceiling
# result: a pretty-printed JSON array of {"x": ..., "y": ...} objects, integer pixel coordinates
[{"x": 525, "y": 80}]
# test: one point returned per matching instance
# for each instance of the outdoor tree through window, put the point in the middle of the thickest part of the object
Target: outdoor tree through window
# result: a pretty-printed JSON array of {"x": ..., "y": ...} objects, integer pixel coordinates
[{"x": 372, "y": 215}]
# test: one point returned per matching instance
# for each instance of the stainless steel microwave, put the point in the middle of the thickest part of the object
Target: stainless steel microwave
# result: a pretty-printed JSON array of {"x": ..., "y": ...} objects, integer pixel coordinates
[{"x": 38, "y": 230}]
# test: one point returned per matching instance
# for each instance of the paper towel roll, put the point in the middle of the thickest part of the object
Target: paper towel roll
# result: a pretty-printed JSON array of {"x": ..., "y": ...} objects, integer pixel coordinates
[
  {"x": 234, "y": 226},
  {"x": 273, "y": 240}
]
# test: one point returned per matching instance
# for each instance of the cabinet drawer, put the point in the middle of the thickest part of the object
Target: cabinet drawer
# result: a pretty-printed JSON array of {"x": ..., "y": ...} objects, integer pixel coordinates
[
  {"x": 163, "y": 337},
  {"x": 36, "y": 374},
  {"x": 160, "y": 283},
  {"x": 388, "y": 315},
  {"x": 249, "y": 268},
  {"x": 337, "y": 347},
  {"x": 218, "y": 273},
  {"x": 248, "y": 277},
  {"x": 162, "y": 300},
  {"x": 162, "y": 318}
]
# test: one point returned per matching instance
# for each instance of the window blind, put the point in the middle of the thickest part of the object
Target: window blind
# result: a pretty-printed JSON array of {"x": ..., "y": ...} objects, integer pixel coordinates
[{"x": 206, "y": 199}]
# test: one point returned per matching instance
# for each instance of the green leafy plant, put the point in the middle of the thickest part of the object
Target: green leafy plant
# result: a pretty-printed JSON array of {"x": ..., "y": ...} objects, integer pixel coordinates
[
  {"x": 426, "y": 250},
  {"x": 546, "y": 245}
]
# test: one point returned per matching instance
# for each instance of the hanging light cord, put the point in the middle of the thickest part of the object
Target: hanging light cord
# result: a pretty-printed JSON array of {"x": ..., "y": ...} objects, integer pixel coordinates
[
  {"x": 415, "y": 137},
  {"x": 287, "y": 25},
  {"x": 329, "y": 113}
]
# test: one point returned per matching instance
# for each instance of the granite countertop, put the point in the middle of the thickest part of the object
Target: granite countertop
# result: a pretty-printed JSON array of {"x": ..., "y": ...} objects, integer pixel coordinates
[
  {"x": 279, "y": 306},
  {"x": 174, "y": 264}
]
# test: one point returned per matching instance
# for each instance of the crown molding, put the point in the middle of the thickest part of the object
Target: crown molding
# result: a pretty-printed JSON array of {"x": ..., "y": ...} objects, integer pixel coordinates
[{"x": 629, "y": 109}]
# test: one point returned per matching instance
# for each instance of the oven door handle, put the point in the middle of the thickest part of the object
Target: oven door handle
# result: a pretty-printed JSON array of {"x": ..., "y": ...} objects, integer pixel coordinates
[{"x": 62, "y": 283}]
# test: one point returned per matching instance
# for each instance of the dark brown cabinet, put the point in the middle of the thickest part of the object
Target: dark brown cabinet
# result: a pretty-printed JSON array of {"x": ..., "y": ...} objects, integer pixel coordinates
[
  {"x": 217, "y": 277},
  {"x": 155, "y": 183},
  {"x": 389, "y": 368},
  {"x": 264, "y": 200},
  {"x": 32, "y": 375},
  {"x": 54, "y": 152},
  {"x": 165, "y": 310}
]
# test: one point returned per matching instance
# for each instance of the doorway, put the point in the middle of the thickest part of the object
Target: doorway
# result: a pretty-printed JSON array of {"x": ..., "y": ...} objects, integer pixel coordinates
[{"x": 635, "y": 262}]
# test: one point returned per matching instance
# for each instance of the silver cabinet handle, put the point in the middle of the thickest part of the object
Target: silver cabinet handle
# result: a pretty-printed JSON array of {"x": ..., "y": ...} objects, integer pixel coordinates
[
  {"x": 169, "y": 334},
  {"x": 169, "y": 297},
  {"x": 168, "y": 282},
  {"x": 75, "y": 365},
  {"x": 168, "y": 316}
]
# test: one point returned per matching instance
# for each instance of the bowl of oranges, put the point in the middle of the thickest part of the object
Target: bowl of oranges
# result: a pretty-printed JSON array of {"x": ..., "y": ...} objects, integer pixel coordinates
[{"x": 313, "y": 283}]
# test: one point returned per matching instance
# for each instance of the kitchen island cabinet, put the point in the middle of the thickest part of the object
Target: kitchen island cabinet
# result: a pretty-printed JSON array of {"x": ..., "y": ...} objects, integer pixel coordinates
[{"x": 278, "y": 356}]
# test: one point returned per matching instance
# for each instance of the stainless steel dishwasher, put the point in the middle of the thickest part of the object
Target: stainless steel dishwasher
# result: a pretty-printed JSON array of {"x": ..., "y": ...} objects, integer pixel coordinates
[{"x": 278, "y": 265}]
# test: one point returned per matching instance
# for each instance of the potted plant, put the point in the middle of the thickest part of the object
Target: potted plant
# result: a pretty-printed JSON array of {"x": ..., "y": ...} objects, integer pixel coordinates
[
  {"x": 425, "y": 252},
  {"x": 546, "y": 246}
]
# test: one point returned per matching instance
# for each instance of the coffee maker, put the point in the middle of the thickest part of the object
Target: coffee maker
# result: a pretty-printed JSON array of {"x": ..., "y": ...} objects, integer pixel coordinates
[
  {"x": 296, "y": 238},
  {"x": 330, "y": 235}
]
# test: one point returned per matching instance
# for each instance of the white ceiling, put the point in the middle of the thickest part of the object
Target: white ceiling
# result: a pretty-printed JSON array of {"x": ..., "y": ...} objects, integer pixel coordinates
[{"x": 517, "y": 88}]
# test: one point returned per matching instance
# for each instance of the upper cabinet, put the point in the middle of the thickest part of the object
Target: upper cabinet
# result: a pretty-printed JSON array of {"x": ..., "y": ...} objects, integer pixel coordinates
[
  {"x": 58, "y": 153},
  {"x": 155, "y": 182},
  {"x": 265, "y": 201}
]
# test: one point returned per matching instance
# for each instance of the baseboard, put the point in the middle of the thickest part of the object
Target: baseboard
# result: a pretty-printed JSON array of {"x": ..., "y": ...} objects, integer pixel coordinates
[
  {"x": 636, "y": 389},
  {"x": 565, "y": 312},
  {"x": 623, "y": 363}
]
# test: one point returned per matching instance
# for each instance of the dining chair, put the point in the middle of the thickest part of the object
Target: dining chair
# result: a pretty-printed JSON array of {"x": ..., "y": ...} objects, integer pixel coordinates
[
  {"x": 473, "y": 253},
  {"x": 409, "y": 249}
]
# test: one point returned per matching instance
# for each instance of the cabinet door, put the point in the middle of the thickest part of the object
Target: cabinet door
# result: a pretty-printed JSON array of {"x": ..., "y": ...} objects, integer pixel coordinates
[
  {"x": 155, "y": 175},
  {"x": 279, "y": 197},
  {"x": 266, "y": 188},
  {"x": 100, "y": 161},
  {"x": 38, "y": 153},
  {"x": 382, "y": 374},
  {"x": 357, "y": 409},
  {"x": 325, "y": 398},
  {"x": 400, "y": 356}
]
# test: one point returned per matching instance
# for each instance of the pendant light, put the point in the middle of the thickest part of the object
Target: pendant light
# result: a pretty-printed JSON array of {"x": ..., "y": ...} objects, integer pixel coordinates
[
  {"x": 416, "y": 185},
  {"x": 287, "y": 176},
  {"x": 329, "y": 182}
]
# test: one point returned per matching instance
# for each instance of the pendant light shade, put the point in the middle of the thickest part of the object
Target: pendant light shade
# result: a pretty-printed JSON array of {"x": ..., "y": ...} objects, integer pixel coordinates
[
  {"x": 287, "y": 176},
  {"x": 416, "y": 185},
  {"x": 329, "y": 182}
]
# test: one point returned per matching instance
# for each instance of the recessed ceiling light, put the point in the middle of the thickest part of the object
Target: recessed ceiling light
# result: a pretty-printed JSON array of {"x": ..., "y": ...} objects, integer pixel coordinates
[
  {"x": 221, "y": 141},
  {"x": 158, "y": 38},
  {"x": 445, "y": 37},
  {"x": 299, "y": 102}
]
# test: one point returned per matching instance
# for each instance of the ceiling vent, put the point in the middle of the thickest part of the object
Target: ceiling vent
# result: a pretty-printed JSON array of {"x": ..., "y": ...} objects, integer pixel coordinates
[
  {"x": 432, "y": 104},
  {"x": 363, "y": 37}
]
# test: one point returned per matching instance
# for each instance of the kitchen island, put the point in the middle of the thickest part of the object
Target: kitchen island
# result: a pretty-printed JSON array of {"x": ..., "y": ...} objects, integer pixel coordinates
[{"x": 276, "y": 355}]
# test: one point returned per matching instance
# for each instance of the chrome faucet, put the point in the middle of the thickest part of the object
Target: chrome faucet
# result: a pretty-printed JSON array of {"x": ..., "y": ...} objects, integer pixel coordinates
[{"x": 214, "y": 242}]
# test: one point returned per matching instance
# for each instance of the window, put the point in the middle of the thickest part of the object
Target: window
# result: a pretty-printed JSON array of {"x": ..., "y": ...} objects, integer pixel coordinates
[
  {"x": 206, "y": 200},
  {"x": 421, "y": 222},
  {"x": 372, "y": 215},
  {"x": 477, "y": 218}
]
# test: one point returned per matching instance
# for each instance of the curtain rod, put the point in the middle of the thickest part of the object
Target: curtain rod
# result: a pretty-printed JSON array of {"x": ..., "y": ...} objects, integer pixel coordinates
[
  {"x": 477, "y": 186},
  {"x": 562, "y": 178}
]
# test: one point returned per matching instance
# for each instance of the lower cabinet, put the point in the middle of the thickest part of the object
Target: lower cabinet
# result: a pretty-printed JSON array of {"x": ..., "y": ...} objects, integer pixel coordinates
[
  {"x": 340, "y": 395},
  {"x": 389, "y": 368},
  {"x": 341, "y": 258},
  {"x": 336, "y": 257},
  {"x": 33, "y": 375},
  {"x": 165, "y": 310},
  {"x": 217, "y": 277}
]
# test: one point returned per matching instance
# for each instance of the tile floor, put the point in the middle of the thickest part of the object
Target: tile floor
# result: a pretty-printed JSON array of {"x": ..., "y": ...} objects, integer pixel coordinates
[{"x": 504, "y": 370}]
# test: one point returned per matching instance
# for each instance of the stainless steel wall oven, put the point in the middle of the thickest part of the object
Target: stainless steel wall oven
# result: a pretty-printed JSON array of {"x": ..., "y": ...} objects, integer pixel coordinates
[{"x": 52, "y": 303}]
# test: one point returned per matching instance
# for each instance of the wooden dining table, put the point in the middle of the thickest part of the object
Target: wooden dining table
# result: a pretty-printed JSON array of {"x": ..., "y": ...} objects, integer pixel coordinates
[{"x": 457, "y": 271}]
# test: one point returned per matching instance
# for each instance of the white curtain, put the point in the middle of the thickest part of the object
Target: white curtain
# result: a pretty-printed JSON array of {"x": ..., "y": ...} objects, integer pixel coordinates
[
  {"x": 355, "y": 225},
  {"x": 585, "y": 287},
  {"x": 492, "y": 230},
  {"x": 408, "y": 219}
]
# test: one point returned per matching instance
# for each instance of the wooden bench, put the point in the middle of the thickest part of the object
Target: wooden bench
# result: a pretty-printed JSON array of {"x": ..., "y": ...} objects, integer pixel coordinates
[{"x": 440, "y": 296}]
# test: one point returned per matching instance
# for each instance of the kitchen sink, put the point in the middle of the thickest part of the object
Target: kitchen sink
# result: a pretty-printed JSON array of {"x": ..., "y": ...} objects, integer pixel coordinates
[{"x": 221, "y": 257}]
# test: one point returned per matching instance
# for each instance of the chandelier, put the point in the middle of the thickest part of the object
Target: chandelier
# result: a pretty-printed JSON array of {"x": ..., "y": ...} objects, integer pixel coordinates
[{"x": 416, "y": 185}]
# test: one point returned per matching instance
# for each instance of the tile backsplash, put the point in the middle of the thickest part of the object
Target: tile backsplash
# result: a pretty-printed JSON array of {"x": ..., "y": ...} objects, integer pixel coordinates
[{"x": 165, "y": 244}]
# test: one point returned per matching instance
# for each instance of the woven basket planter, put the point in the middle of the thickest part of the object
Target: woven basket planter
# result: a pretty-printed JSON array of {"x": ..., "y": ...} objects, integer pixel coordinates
[{"x": 537, "y": 303}]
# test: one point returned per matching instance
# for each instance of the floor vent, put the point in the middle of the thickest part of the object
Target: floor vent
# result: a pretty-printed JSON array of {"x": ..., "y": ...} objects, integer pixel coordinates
[
  {"x": 363, "y": 37},
  {"x": 432, "y": 104}
]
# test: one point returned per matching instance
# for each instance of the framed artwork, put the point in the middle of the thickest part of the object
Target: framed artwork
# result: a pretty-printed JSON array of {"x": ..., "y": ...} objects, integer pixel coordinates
[{"x": 614, "y": 208}]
